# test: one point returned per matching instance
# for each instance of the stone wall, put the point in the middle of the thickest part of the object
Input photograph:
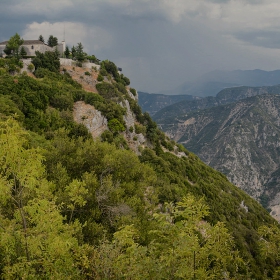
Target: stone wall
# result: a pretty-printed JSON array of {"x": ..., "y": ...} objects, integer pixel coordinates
[{"x": 71, "y": 62}]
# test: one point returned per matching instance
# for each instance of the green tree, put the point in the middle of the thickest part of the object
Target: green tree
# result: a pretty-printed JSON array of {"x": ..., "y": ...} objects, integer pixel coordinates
[
  {"x": 41, "y": 38},
  {"x": 13, "y": 45},
  {"x": 80, "y": 54},
  {"x": 35, "y": 243},
  {"x": 73, "y": 52},
  {"x": 52, "y": 41},
  {"x": 270, "y": 246},
  {"x": 67, "y": 52},
  {"x": 22, "y": 52},
  {"x": 48, "y": 60},
  {"x": 115, "y": 126}
]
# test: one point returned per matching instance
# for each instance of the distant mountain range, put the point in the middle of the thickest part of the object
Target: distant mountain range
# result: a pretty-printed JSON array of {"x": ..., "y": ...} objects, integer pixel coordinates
[
  {"x": 152, "y": 103},
  {"x": 237, "y": 132},
  {"x": 211, "y": 83},
  {"x": 169, "y": 114}
]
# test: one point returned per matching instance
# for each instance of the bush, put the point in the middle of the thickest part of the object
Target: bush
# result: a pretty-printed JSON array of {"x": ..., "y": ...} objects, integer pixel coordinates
[
  {"x": 79, "y": 64},
  {"x": 115, "y": 126},
  {"x": 103, "y": 72},
  {"x": 133, "y": 91},
  {"x": 31, "y": 67},
  {"x": 48, "y": 60},
  {"x": 110, "y": 67},
  {"x": 100, "y": 78},
  {"x": 140, "y": 129},
  {"x": 87, "y": 73},
  {"x": 107, "y": 136}
]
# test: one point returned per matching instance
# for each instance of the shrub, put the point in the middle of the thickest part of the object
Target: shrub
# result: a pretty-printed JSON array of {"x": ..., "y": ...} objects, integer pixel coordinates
[
  {"x": 107, "y": 136},
  {"x": 87, "y": 73},
  {"x": 140, "y": 129},
  {"x": 133, "y": 91},
  {"x": 115, "y": 126},
  {"x": 103, "y": 72},
  {"x": 48, "y": 60},
  {"x": 100, "y": 78},
  {"x": 31, "y": 67}
]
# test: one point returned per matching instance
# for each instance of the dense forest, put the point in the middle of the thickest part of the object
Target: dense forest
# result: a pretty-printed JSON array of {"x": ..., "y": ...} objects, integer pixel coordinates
[{"x": 74, "y": 207}]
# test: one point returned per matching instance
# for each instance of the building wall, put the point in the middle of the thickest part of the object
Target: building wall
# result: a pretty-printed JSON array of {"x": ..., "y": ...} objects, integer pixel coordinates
[
  {"x": 2, "y": 47},
  {"x": 31, "y": 49}
]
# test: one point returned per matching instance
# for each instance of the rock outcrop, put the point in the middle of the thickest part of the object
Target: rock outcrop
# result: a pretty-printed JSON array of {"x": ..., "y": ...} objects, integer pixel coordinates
[{"x": 94, "y": 121}]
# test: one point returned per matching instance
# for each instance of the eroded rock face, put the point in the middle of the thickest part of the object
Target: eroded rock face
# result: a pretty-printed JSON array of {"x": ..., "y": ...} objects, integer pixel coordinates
[
  {"x": 94, "y": 121},
  {"x": 134, "y": 140}
]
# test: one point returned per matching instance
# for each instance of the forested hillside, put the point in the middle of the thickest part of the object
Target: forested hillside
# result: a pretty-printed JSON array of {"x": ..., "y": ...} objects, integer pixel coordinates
[{"x": 74, "y": 207}]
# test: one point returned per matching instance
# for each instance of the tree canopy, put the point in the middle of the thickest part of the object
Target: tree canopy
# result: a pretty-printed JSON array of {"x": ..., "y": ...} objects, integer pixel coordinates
[
  {"x": 52, "y": 41},
  {"x": 13, "y": 45},
  {"x": 74, "y": 207}
]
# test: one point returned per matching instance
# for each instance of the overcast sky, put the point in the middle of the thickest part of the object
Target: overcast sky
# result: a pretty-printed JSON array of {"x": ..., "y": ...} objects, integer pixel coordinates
[{"x": 160, "y": 44}]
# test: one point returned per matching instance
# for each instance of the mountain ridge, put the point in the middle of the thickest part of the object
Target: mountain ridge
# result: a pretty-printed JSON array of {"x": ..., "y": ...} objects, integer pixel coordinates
[{"x": 211, "y": 83}]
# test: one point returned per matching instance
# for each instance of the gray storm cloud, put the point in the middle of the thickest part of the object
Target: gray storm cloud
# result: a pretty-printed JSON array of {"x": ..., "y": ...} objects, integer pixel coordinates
[{"x": 158, "y": 43}]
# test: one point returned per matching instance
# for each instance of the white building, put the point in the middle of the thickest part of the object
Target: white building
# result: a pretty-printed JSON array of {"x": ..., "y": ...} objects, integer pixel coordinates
[{"x": 31, "y": 46}]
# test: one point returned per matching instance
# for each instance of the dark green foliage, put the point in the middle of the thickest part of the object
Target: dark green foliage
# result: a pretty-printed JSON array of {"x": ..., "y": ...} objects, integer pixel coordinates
[
  {"x": 67, "y": 52},
  {"x": 87, "y": 73},
  {"x": 52, "y": 41},
  {"x": 133, "y": 91},
  {"x": 22, "y": 52},
  {"x": 110, "y": 68},
  {"x": 80, "y": 55},
  {"x": 73, "y": 52},
  {"x": 103, "y": 72},
  {"x": 48, "y": 60},
  {"x": 100, "y": 78},
  {"x": 115, "y": 126},
  {"x": 107, "y": 136},
  {"x": 109, "y": 91},
  {"x": 41, "y": 38},
  {"x": 92, "y": 58}
]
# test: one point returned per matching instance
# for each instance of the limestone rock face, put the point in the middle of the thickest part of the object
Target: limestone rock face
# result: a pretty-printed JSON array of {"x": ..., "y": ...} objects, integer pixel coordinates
[
  {"x": 94, "y": 121},
  {"x": 134, "y": 140}
]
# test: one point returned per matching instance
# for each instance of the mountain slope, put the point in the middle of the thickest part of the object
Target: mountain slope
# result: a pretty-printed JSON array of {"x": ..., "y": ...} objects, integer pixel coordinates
[
  {"x": 115, "y": 213},
  {"x": 241, "y": 140}
]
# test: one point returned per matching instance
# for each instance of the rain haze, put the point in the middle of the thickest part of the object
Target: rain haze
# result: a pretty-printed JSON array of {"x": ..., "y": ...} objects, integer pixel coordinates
[{"x": 159, "y": 44}]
